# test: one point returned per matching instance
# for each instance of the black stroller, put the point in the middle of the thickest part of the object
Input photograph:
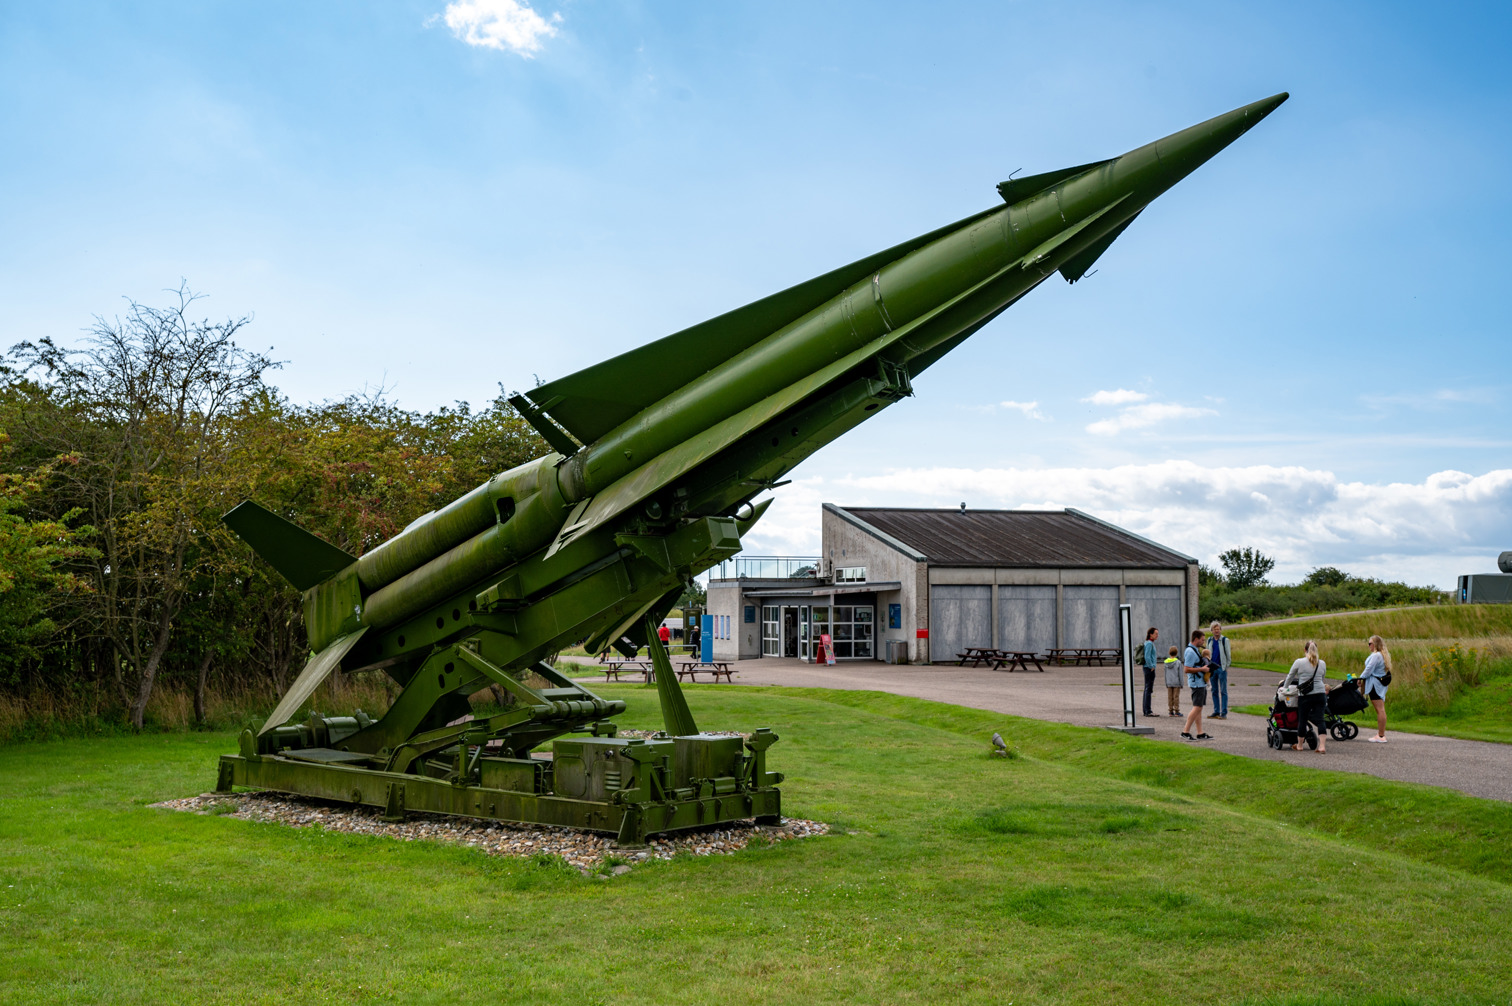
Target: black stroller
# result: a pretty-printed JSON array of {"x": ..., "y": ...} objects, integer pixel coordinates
[
  {"x": 1342, "y": 701},
  {"x": 1281, "y": 727}
]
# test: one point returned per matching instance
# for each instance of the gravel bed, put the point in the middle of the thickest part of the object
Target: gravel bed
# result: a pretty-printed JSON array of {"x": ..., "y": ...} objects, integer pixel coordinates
[{"x": 585, "y": 850}]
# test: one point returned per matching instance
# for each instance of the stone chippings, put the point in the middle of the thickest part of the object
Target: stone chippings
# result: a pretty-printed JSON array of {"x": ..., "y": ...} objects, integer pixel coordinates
[{"x": 585, "y": 850}]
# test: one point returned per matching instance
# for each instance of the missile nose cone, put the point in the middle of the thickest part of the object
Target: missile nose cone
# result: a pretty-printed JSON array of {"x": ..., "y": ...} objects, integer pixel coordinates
[{"x": 1179, "y": 154}]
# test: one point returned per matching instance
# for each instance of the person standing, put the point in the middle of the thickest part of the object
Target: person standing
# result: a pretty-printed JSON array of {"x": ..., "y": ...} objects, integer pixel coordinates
[
  {"x": 1373, "y": 681},
  {"x": 664, "y": 634},
  {"x": 1147, "y": 660},
  {"x": 1222, "y": 658},
  {"x": 1307, "y": 673},
  {"x": 1173, "y": 683},
  {"x": 1196, "y": 676}
]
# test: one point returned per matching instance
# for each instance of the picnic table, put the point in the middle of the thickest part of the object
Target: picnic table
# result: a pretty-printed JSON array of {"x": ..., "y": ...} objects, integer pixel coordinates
[
  {"x": 979, "y": 655},
  {"x": 1087, "y": 655},
  {"x": 614, "y": 668},
  {"x": 1021, "y": 659},
  {"x": 718, "y": 668},
  {"x": 998, "y": 659}
]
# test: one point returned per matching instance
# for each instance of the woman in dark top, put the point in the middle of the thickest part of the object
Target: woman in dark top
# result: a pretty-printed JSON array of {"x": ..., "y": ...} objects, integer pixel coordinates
[{"x": 1312, "y": 701}]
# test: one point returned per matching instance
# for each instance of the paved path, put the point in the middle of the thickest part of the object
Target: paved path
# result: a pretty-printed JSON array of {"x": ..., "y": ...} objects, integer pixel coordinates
[
  {"x": 1091, "y": 697},
  {"x": 1329, "y": 614}
]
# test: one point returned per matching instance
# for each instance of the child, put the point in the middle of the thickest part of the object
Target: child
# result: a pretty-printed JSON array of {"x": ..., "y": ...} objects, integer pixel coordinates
[{"x": 1173, "y": 682}]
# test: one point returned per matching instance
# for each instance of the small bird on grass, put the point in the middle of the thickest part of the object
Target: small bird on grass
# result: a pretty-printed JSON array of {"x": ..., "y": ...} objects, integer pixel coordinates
[{"x": 1000, "y": 746}]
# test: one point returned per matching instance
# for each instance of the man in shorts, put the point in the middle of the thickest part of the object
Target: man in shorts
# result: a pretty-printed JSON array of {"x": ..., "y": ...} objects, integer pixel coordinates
[{"x": 1196, "y": 674}]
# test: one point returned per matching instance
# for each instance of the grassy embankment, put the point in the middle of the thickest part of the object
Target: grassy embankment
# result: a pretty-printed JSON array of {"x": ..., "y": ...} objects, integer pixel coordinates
[
  {"x": 1091, "y": 868},
  {"x": 1452, "y": 665}
]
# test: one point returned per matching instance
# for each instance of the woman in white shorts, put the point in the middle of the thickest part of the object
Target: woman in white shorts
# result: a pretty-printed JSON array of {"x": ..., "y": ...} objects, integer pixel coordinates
[{"x": 1373, "y": 682}]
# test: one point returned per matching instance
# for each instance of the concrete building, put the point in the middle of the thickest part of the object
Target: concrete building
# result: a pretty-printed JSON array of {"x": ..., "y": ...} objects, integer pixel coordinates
[{"x": 919, "y": 585}]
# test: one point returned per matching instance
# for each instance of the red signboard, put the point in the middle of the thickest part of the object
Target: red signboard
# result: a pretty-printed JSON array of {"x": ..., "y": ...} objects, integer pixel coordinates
[{"x": 826, "y": 649}]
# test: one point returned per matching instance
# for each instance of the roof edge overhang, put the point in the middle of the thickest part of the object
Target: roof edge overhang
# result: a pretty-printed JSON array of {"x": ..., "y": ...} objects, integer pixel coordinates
[
  {"x": 1190, "y": 560},
  {"x": 876, "y": 533},
  {"x": 839, "y": 590}
]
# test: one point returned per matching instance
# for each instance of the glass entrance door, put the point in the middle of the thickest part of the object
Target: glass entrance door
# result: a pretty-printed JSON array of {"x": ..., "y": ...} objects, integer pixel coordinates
[{"x": 771, "y": 631}]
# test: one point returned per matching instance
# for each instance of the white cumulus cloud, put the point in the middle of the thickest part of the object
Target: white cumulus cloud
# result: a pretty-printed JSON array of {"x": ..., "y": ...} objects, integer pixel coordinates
[
  {"x": 1031, "y": 410},
  {"x": 1424, "y": 532},
  {"x": 1137, "y": 417},
  {"x": 1119, "y": 396},
  {"x": 506, "y": 25}
]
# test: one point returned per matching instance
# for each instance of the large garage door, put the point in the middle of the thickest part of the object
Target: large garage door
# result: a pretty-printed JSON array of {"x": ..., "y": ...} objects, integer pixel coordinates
[
  {"x": 959, "y": 616},
  {"x": 1091, "y": 616},
  {"x": 1026, "y": 617},
  {"x": 1160, "y": 608}
]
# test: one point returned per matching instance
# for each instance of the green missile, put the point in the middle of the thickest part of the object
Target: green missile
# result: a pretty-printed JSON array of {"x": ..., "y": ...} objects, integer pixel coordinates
[
  {"x": 935, "y": 289},
  {"x": 659, "y": 456}
]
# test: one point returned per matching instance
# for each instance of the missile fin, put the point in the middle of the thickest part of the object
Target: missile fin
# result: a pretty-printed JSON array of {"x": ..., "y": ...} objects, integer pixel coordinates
[
  {"x": 317, "y": 670},
  {"x": 1018, "y": 189},
  {"x": 595, "y": 400},
  {"x": 303, "y": 559},
  {"x": 1065, "y": 237},
  {"x": 1076, "y": 267}
]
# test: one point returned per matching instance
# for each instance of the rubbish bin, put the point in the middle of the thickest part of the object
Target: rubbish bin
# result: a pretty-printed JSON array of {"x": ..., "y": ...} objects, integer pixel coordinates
[{"x": 897, "y": 651}]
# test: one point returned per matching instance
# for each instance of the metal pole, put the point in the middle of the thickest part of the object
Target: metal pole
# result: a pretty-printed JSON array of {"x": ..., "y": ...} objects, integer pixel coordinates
[
  {"x": 1126, "y": 638},
  {"x": 1126, "y": 635}
]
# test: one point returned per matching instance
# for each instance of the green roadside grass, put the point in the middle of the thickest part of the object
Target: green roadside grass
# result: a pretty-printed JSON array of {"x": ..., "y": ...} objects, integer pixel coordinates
[{"x": 1090, "y": 868}]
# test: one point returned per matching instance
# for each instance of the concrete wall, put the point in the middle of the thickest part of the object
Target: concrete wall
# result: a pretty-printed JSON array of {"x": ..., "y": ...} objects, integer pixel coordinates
[
  {"x": 845, "y": 544},
  {"x": 724, "y": 599}
]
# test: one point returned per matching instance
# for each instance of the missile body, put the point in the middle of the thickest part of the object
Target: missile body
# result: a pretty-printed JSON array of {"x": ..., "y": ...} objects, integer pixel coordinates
[{"x": 661, "y": 452}]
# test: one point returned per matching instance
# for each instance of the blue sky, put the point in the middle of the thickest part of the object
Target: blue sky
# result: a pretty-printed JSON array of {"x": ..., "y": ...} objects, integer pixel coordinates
[{"x": 1303, "y": 347}]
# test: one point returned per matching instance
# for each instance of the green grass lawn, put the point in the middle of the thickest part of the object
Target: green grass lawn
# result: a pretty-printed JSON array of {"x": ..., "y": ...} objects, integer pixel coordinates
[{"x": 1093, "y": 868}]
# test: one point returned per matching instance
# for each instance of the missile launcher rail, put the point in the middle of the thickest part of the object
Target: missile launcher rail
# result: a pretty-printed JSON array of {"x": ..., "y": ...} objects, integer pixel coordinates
[{"x": 658, "y": 457}]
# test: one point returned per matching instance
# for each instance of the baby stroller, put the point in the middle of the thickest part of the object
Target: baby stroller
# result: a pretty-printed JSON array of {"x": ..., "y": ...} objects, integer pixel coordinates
[
  {"x": 1342, "y": 701},
  {"x": 1281, "y": 727}
]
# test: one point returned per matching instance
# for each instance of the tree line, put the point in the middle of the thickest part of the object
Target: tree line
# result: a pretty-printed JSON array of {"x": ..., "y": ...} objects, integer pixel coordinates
[
  {"x": 1243, "y": 592},
  {"x": 118, "y": 457}
]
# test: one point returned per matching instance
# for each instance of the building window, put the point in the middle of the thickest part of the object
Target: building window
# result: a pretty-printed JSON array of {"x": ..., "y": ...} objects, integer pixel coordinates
[
  {"x": 771, "y": 631},
  {"x": 850, "y": 574},
  {"x": 851, "y": 630}
]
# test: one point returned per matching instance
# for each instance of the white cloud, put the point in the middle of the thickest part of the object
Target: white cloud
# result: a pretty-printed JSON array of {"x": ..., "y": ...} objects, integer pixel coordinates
[
  {"x": 1120, "y": 396},
  {"x": 1425, "y": 532},
  {"x": 1139, "y": 416},
  {"x": 506, "y": 25},
  {"x": 1031, "y": 410}
]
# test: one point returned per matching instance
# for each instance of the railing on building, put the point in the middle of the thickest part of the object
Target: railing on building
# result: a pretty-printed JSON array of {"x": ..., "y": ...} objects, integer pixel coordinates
[{"x": 767, "y": 567}]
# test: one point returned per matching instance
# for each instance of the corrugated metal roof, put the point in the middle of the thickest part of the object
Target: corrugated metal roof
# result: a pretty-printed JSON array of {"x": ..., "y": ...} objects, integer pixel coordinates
[{"x": 1017, "y": 538}]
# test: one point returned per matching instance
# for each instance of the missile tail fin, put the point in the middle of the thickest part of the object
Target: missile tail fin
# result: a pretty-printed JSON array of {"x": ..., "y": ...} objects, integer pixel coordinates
[
  {"x": 303, "y": 559},
  {"x": 317, "y": 670},
  {"x": 1077, "y": 267}
]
